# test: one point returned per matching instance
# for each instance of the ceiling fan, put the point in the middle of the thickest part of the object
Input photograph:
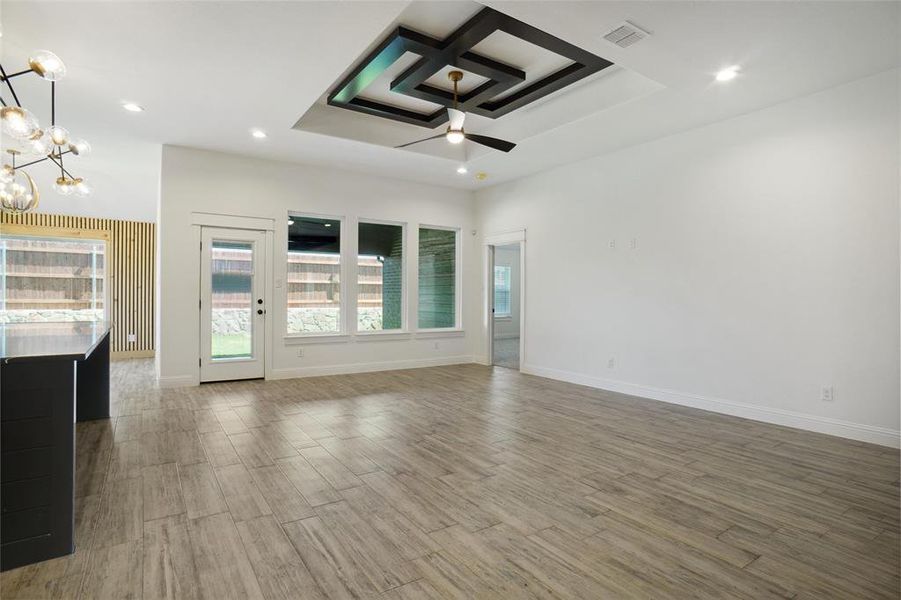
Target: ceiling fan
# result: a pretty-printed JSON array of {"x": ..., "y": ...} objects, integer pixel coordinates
[{"x": 455, "y": 133}]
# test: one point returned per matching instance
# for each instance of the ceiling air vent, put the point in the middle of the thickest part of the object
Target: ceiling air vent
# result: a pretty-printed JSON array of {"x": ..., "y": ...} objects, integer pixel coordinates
[{"x": 626, "y": 34}]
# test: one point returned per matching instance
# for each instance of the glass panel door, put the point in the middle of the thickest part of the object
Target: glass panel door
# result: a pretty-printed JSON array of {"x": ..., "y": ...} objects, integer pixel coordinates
[
  {"x": 232, "y": 307},
  {"x": 232, "y": 300}
]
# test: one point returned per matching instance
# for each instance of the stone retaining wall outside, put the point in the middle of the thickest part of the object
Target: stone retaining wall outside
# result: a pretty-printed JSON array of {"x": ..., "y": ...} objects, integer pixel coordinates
[
  {"x": 50, "y": 315},
  {"x": 308, "y": 320}
]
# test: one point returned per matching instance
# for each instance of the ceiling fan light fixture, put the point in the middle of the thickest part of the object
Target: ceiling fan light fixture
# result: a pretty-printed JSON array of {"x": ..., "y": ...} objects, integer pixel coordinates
[
  {"x": 455, "y": 133},
  {"x": 455, "y": 137}
]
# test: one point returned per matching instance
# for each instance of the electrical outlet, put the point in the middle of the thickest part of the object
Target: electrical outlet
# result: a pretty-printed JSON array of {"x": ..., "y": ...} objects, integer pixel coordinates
[
  {"x": 611, "y": 362},
  {"x": 827, "y": 394},
  {"x": 633, "y": 243},
  {"x": 612, "y": 243},
  {"x": 132, "y": 337},
  {"x": 300, "y": 353},
  {"x": 437, "y": 345}
]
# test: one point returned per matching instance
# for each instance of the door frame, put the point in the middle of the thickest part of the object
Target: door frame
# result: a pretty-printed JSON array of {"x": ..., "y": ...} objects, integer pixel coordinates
[
  {"x": 235, "y": 223},
  {"x": 491, "y": 241}
]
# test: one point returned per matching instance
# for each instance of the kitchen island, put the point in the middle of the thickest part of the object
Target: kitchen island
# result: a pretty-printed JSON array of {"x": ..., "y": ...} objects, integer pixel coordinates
[{"x": 51, "y": 375}]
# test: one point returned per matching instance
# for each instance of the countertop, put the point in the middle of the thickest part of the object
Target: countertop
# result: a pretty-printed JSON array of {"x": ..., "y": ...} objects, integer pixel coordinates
[{"x": 50, "y": 341}]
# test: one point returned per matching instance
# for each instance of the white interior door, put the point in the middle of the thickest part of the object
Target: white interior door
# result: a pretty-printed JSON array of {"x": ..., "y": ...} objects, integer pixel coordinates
[{"x": 232, "y": 306}]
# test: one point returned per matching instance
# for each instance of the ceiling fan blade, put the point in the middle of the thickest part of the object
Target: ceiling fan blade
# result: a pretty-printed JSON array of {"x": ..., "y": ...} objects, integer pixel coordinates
[
  {"x": 502, "y": 145},
  {"x": 456, "y": 118},
  {"x": 434, "y": 137}
]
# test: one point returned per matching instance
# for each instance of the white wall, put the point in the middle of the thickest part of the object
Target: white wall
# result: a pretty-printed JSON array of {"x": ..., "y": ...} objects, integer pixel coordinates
[
  {"x": 766, "y": 264},
  {"x": 125, "y": 175},
  {"x": 195, "y": 181},
  {"x": 508, "y": 256}
]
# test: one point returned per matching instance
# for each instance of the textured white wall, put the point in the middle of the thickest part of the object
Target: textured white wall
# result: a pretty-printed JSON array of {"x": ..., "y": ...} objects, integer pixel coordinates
[
  {"x": 765, "y": 266},
  {"x": 207, "y": 182}
]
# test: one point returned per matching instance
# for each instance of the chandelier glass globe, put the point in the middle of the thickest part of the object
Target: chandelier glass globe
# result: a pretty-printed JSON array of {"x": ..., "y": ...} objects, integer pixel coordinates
[
  {"x": 47, "y": 64},
  {"x": 18, "y": 122},
  {"x": 79, "y": 147},
  {"x": 39, "y": 145},
  {"x": 59, "y": 135},
  {"x": 82, "y": 188},
  {"x": 19, "y": 194},
  {"x": 64, "y": 186}
]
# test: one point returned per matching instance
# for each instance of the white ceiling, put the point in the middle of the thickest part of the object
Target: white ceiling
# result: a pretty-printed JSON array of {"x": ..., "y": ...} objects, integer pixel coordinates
[{"x": 208, "y": 72}]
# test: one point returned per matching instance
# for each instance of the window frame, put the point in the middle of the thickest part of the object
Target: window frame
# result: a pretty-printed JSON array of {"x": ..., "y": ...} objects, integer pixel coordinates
[
  {"x": 342, "y": 288},
  {"x": 404, "y": 287},
  {"x": 458, "y": 280},
  {"x": 509, "y": 313},
  {"x": 16, "y": 230}
]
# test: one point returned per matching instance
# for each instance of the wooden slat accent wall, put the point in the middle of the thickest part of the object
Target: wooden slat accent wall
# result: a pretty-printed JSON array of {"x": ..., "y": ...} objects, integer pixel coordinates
[{"x": 131, "y": 251}]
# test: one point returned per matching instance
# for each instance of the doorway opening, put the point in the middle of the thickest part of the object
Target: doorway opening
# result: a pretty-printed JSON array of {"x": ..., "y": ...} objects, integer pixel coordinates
[{"x": 505, "y": 298}]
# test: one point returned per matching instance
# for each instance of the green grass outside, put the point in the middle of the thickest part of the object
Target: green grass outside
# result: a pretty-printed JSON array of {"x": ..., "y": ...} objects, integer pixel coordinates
[{"x": 226, "y": 345}]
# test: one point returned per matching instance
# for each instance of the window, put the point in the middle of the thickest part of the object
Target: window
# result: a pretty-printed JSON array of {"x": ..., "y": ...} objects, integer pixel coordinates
[
  {"x": 52, "y": 279},
  {"x": 313, "y": 283},
  {"x": 437, "y": 278},
  {"x": 380, "y": 271},
  {"x": 502, "y": 275}
]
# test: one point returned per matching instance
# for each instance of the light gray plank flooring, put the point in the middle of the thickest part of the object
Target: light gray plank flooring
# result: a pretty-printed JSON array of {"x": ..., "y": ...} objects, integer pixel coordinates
[{"x": 461, "y": 482}]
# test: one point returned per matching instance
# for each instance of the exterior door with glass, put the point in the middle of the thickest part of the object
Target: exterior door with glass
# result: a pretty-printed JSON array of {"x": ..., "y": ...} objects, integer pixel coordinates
[{"x": 232, "y": 305}]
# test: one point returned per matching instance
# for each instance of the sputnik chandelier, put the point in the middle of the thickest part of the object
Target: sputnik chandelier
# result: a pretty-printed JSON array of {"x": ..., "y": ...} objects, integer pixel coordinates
[{"x": 26, "y": 139}]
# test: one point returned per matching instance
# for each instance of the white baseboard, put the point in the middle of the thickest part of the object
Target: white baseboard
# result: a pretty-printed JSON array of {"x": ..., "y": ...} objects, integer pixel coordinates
[
  {"x": 389, "y": 365},
  {"x": 846, "y": 429},
  {"x": 176, "y": 381}
]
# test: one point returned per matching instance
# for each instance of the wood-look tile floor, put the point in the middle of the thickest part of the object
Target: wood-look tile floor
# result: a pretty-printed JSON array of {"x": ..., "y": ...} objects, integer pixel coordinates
[{"x": 462, "y": 482}]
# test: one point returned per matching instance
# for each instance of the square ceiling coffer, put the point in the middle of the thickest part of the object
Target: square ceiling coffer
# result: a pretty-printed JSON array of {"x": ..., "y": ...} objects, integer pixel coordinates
[{"x": 487, "y": 99}]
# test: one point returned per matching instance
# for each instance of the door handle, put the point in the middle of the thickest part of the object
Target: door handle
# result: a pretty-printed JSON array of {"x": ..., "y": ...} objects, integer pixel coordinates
[
  {"x": 260, "y": 311},
  {"x": 259, "y": 300}
]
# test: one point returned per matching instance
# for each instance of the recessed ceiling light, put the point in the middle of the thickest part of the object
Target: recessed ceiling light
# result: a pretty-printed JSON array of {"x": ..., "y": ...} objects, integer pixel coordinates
[
  {"x": 258, "y": 133},
  {"x": 462, "y": 170},
  {"x": 728, "y": 74},
  {"x": 481, "y": 175},
  {"x": 132, "y": 107}
]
